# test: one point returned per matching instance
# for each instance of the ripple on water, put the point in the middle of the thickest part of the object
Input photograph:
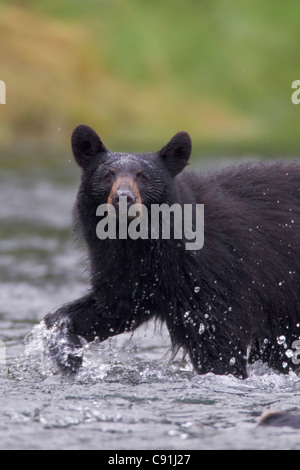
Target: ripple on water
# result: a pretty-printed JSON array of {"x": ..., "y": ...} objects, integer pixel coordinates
[{"x": 134, "y": 397}]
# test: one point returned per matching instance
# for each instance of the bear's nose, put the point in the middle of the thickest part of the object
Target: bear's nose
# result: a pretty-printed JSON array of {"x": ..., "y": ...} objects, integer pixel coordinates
[{"x": 119, "y": 199}]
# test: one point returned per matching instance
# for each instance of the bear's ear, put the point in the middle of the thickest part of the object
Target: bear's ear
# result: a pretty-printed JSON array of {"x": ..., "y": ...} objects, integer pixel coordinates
[
  {"x": 176, "y": 153},
  {"x": 86, "y": 144}
]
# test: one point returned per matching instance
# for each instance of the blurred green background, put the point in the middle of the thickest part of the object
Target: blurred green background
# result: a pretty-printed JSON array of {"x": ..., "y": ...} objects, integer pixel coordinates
[{"x": 140, "y": 70}]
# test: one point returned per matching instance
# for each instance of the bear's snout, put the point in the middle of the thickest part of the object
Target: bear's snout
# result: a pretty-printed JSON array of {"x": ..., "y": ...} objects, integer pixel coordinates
[{"x": 123, "y": 193}]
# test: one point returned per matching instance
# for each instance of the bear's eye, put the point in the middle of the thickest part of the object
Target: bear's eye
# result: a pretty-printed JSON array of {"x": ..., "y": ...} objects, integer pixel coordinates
[
  {"x": 142, "y": 177},
  {"x": 108, "y": 177}
]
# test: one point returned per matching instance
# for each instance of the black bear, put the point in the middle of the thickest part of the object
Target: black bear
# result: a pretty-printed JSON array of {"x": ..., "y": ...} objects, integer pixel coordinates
[{"x": 235, "y": 300}]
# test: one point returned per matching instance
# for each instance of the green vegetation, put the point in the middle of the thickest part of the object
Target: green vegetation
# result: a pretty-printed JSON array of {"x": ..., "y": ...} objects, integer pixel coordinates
[{"x": 139, "y": 71}]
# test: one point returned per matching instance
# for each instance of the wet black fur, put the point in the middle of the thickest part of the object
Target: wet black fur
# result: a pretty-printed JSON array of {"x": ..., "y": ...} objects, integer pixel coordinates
[{"x": 248, "y": 270}]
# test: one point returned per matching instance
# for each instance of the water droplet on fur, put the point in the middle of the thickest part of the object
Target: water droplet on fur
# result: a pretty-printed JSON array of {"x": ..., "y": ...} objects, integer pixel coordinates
[
  {"x": 197, "y": 289},
  {"x": 201, "y": 329},
  {"x": 186, "y": 314},
  {"x": 232, "y": 361},
  {"x": 289, "y": 353},
  {"x": 280, "y": 339}
]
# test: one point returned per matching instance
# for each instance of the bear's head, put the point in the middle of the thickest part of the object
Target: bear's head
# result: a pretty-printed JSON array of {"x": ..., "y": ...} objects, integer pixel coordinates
[{"x": 142, "y": 178}]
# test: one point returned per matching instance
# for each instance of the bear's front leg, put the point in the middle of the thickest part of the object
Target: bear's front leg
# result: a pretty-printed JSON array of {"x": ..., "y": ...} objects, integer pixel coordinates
[
  {"x": 61, "y": 343},
  {"x": 84, "y": 318},
  {"x": 62, "y": 339}
]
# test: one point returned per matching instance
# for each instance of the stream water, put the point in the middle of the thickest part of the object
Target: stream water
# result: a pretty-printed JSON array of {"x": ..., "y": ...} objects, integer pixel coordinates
[{"x": 128, "y": 394}]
